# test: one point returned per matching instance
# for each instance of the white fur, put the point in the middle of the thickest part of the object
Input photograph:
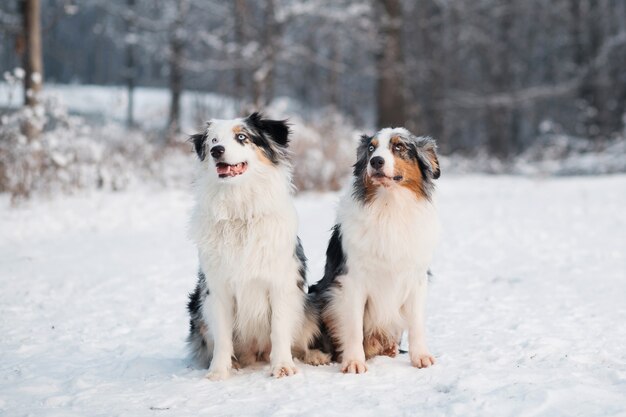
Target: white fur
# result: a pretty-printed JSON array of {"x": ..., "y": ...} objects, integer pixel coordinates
[
  {"x": 389, "y": 246},
  {"x": 245, "y": 228}
]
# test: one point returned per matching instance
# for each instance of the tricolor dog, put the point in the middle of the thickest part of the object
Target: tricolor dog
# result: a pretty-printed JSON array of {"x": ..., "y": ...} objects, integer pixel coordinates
[
  {"x": 250, "y": 302},
  {"x": 378, "y": 258}
]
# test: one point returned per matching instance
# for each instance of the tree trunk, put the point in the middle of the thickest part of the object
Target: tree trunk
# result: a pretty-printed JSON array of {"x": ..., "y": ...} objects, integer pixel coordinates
[
  {"x": 33, "y": 63},
  {"x": 130, "y": 61},
  {"x": 263, "y": 77},
  {"x": 176, "y": 70},
  {"x": 333, "y": 80},
  {"x": 428, "y": 118},
  {"x": 240, "y": 13},
  {"x": 390, "y": 66},
  {"x": 500, "y": 133}
]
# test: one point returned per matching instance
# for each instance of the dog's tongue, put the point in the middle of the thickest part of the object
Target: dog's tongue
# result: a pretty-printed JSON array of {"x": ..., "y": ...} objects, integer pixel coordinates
[{"x": 225, "y": 170}]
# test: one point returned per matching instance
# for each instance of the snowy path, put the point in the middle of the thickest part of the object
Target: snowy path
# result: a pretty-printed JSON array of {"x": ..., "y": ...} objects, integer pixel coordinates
[{"x": 527, "y": 311}]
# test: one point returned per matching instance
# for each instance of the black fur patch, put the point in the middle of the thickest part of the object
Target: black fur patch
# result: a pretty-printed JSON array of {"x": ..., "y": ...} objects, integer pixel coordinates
[
  {"x": 335, "y": 262},
  {"x": 195, "y": 301},
  {"x": 271, "y": 136},
  {"x": 277, "y": 130},
  {"x": 301, "y": 257},
  {"x": 360, "y": 168},
  {"x": 199, "y": 144}
]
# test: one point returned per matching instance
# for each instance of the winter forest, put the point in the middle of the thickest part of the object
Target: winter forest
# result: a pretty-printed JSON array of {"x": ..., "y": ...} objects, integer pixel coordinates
[
  {"x": 525, "y": 98},
  {"x": 503, "y": 84}
]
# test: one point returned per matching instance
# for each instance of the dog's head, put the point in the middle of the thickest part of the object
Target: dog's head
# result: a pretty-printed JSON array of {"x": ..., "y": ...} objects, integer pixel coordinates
[
  {"x": 231, "y": 148},
  {"x": 395, "y": 158}
]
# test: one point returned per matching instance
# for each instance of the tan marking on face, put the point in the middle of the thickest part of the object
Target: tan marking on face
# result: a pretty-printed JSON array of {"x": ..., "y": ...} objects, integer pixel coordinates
[
  {"x": 262, "y": 156},
  {"x": 374, "y": 142},
  {"x": 411, "y": 176},
  {"x": 238, "y": 129}
]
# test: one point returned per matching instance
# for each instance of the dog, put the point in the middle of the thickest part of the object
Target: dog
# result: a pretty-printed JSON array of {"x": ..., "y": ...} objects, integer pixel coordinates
[
  {"x": 250, "y": 301},
  {"x": 378, "y": 257}
]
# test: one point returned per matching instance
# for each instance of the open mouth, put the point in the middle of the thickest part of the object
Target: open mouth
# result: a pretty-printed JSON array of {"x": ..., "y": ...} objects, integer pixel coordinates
[{"x": 225, "y": 170}]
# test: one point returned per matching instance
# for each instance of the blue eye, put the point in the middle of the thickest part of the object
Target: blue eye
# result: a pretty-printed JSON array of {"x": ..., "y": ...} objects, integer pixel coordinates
[
  {"x": 371, "y": 148},
  {"x": 241, "y": 137}
]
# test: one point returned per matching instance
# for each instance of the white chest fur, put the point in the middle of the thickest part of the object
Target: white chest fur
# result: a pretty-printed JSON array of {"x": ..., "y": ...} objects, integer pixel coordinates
[
  {"x": 240, "y": 231},
  {"x": 395, "y": 233}
]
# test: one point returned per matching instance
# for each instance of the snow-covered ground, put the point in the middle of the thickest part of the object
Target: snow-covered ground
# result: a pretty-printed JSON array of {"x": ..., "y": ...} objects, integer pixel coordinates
[{"x": 527, "y": 310}]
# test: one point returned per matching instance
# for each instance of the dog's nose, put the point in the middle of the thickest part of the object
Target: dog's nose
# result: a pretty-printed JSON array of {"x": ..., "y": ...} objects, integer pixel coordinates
[
  {"x": 377, "y": 162},
  {"x": 217, "y": 151}
]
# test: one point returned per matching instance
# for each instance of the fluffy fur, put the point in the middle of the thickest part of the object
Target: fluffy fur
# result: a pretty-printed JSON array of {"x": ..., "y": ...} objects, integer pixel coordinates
[
  {"x": 250, "y": 301},
  {"x": 377, "y": 262}
]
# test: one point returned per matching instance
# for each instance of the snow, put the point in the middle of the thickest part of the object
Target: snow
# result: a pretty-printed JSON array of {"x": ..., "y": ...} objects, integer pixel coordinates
[
  {"x": 526, "y": 310},
  {"x": 105, "y": 104}
]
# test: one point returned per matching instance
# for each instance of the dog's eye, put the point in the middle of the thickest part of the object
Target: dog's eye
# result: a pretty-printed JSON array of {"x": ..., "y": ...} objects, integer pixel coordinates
[
  {"x": 398, "y": 147},
  {"x": 241, "y": 137},
  {"x": 371, "y": 148}
]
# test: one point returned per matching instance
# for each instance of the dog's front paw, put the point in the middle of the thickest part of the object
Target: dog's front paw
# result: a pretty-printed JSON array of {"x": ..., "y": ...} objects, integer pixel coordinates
[
  {"x": 218, "y": 374},
  {"x": 353, "y": 366},
  {"x": 284, "y": 369},
  {"x": 316, "y": 357},
  {"x": 422, "y": 359}
]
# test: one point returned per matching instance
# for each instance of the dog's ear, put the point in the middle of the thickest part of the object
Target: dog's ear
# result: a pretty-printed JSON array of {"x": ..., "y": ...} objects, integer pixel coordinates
[
  {"x": 426, "y": 148},
  {"x": 199, "y": 144},
  {"x": 361, "y": 155},
  {"x": 276, "y": 130}
]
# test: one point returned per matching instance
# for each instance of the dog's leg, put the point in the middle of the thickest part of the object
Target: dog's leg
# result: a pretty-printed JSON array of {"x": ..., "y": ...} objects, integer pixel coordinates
[
  {"x": 414, "y": 307},
  {"x": 220, "y": 309},
  {"x": 347, "y": 310},
  {"x": 286, "y": 313}
]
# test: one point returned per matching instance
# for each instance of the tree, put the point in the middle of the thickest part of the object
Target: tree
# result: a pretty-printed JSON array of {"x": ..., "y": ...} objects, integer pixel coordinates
[
  {"x": 175, "y": 61},
  {"x": 263, "y": 76},
  {"x": 33, "y": 63},
  {"x": 130, "y": 68},
  {"x": 390, "y": 101}
]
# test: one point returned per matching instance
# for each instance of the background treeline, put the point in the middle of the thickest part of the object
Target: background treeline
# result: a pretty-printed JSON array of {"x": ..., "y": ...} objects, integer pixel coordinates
[{"x": 474, "y": 74}]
